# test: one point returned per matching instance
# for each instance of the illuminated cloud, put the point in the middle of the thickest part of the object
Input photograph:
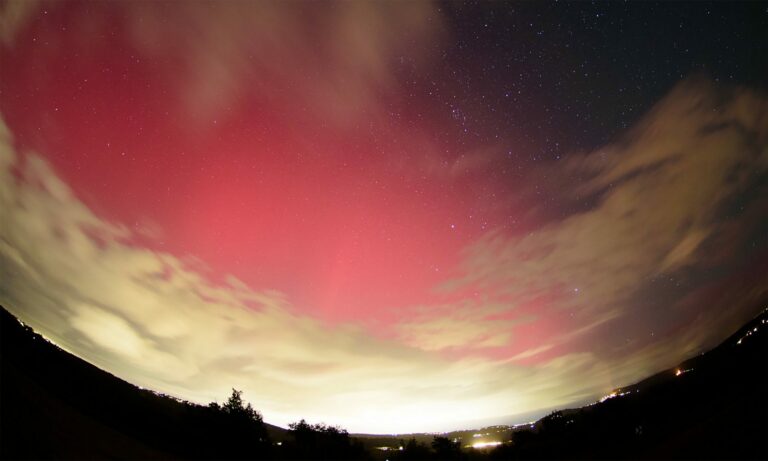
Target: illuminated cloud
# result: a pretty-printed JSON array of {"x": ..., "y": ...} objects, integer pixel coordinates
[
  {"x": 14, "y": 15},
  {"x": 334, "y": 62},
  {"x": 350, "y": 286},
  {"x": 464, "y": 326},
  {"x": 153, "y": 319},
  {"x": 664, "y": 193},
  {"x": 149, "y": 318}
]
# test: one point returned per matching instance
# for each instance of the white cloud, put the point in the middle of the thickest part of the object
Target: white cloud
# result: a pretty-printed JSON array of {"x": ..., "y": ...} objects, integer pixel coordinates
[
  {"x": 663, "y": 187},
  {"x": 463, "y": 326},
  {"x": 108, "y": 331},
  {"x": 14, "y": 16},
  {"x": 153, "y": 318}
]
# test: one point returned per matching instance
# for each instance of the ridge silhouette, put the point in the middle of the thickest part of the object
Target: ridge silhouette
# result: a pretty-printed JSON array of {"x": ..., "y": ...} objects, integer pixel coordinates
[{"x": 55, "y": 405}]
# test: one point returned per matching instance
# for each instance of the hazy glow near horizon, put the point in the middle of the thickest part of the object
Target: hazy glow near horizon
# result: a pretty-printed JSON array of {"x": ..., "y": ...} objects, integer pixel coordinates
[{"x": 302, "y": 203}]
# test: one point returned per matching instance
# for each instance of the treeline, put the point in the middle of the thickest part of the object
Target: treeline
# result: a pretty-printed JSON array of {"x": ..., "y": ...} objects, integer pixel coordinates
[
  {"x": 56, "y": 406},
  {"x": 237, "y": 422}
]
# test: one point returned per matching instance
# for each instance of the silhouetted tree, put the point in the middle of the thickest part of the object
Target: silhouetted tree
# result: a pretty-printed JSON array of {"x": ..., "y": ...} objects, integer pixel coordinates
[
  {"x": 553, "y": 424},
  {"x": 446, "y": 448},
  {"x": 235, "y": 407},
  {"x": 523, "y": 437},
  {"x": 413, "y": 450},
  {"x": 321, "y": 441},
  {"x": 242, "y": 427}
]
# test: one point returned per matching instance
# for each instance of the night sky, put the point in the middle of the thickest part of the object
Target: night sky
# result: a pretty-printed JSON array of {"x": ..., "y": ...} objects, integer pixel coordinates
[{"x": 400, "y": 216}]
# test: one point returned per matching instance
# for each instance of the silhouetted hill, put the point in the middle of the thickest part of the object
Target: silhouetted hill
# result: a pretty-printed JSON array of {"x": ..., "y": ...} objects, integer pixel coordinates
[
  {"x": 55, "y": 405},
  {"x": 714, "y": 405}
]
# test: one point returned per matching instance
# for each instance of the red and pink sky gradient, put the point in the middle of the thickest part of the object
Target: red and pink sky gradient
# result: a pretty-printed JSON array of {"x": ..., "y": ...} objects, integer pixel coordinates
[{"x": 291, "y": 199}]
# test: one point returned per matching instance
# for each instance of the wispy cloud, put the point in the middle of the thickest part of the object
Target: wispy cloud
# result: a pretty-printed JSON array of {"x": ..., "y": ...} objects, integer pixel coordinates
[
  {"x": 690, "y": 172},
  {"x": 155, "y": 320},
  {"x": 674, "y": 193},
  {"x": 332, "y": 62}
]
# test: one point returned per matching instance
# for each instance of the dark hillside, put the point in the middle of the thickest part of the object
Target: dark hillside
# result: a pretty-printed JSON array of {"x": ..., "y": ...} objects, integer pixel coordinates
[
  {"x": 55, "y": 405},
  {"x": 711, "y": 406}
]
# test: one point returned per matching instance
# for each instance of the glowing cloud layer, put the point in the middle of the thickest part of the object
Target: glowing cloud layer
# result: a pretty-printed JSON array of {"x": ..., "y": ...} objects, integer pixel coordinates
[
  {"x": 242, "y": 196},
  {"x": 154, "y": 320}
]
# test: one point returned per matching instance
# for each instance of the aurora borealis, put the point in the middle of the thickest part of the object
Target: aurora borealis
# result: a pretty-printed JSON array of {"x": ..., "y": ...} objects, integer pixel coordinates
[{"x": 404, "y": 216}]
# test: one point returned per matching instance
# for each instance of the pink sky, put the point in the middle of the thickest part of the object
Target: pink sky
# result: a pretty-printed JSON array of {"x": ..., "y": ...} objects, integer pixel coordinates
[{"x": 254, "y": 169}]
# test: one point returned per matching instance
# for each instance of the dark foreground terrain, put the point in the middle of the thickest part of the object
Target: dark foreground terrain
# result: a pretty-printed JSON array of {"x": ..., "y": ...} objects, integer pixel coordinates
[{"x": 54, "y": 405}]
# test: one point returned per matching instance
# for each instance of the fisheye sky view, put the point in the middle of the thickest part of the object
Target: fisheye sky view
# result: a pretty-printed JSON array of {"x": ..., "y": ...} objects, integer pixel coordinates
[{"x": 395, "y": 216}]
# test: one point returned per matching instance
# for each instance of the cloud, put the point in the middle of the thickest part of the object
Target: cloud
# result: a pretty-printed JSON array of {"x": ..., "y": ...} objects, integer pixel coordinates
[
  {"x": 108, "y": 331},
  {"x": 295, "y": 59},
  {"x": 663, "y": 192},
  {"x": 443, "y": 333},
  {"x": 265, "y": 45},
  {"x": 689, "y": 176},
  {"x": 14, "y": 16},
  {"x": 531, "y": 352},
  {"x": 157, "y": 321},
  {"x": 468, "y": 325}
]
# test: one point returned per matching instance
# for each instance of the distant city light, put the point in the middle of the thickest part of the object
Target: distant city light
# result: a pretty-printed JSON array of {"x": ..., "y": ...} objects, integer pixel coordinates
[
  {"x": 614, "y": 394},
  {"x": 681, "y": 371},
  {"x": 478, "y": 445}
]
